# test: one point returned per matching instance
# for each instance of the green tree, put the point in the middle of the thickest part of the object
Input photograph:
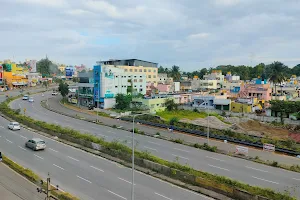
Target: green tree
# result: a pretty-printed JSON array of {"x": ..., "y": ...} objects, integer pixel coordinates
[
  {"x": 161, "y": 69},
  {"x": 46, "y": 67},
  {"x": 75, "y": 79},
  {"x": 63, "y": 88},
  {"x": 175, "y": 73},
  {"x": 277, "y": 73},
  {"x": 171, "y": 105},
  {"x": 123, "y": 101}
]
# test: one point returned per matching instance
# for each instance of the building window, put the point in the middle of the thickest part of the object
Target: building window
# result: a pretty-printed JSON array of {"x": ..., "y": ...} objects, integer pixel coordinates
[
  {"x": 154, "y": 81},
  {"x": 141, "y": 77},
  {"x": 141, "y": 86},
  {"x": 124, "y": 76},
  {"x": 134, "y": 76},
  {"x": 140, "y": 70},
  {"x": 129, "y": 76},
  {"x": 116, "y": 76},
  {"x": 135, "y": 70},
  {"x": 149, "y": 70},
  {"x": 116, "y": 86},
  {"x": 135, "y": 86},
  {"x": 135, "y": 80},
  {"x": 141, "y": 90},
  {"x": 130, "y": 70},
  {"x": 126, "y": 70},
  {"x": 154, "y": 70},
  {"x": 149, "y": 76},
  {"x": 145, "y": 70},
  {"x": 154, "y": 76},
  {"x": 141, "y": 80}
]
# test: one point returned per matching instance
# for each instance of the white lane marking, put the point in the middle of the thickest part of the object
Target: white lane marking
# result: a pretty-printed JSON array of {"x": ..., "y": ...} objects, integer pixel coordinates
[
  {"x": 39, "y": 157},
  {"x": 58, "y": 166},
  {"x": 9, "y": 141},
  {"x": 181, "y": 150},
  {"x": 180, "y": 157},
  {"x": 265, "y": 180},
  {"x": 150, "y": 148},
  {"x": 218, "y": 167},
  {"x": 73, "y": 158},
  {"x": 154, "y": 143},
  {"x": 22, "y": 148},
  {"x": 162, "y": 196},
  {"x": 84, "y": 179},
  {"x": 23, "y": 137},
  {"x": 97, "y": 168},
  {"x": 296, "y": 179},
  {"x": 215, "y": 158},
  {"x": 125, "y": 180},
  {"x": 256, "y": 169},
  {"x": 53, "y": 150},
  {"x": 116, "y": 194}
]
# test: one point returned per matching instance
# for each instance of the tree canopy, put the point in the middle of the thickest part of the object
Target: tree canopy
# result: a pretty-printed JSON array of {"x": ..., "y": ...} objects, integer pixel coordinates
[
  {"x": 245, "y": 72},
  {"x": 63, "y": 88},
  {"x": 123, "y": 101},
  {"x": 46, "y": 67}
]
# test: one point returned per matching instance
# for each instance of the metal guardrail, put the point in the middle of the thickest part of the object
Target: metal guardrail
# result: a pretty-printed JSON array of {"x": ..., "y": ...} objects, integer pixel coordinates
[{"x": 215, "y": 136}]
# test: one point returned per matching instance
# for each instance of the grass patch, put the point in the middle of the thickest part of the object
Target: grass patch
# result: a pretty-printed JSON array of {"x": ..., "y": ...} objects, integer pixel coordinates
[{"x": 180, "y": 114}]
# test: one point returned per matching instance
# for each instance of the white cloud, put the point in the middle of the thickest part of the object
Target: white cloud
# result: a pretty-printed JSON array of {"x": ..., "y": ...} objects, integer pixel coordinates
[
  {"x": 226, "y": 2},
  {"x": 77, "y": 12},
  {"x": 198, "y": 36},
  {"x": 53, "y": 3}
]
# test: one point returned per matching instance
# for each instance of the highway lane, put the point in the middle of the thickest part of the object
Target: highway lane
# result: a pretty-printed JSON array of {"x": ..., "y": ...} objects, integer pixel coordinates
[
  {"x": 83, "y": 174},
  {"x": 239, "y": 169}
]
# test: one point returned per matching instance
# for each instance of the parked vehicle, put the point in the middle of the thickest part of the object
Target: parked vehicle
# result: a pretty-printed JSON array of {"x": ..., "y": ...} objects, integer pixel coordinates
[
  {"x": 25, "y": 97},
  {"x": 54, "y": 93},
  {"x": 14, "y": 126},
  {"x": 36, "y": 144},
  {"x": 90, "y": 107}
]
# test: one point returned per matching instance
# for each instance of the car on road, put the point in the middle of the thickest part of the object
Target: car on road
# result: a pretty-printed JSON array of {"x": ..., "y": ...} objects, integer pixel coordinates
[
  {"x": 298, "y": 156},
  {"x": 0, "y": 157},
  {"x": 31, "y": 99},
  {"x": 25, "y": 97},
  {"x": 54, "y": 93},
  {"x": 14, "y": 126},
  {"x": 36, "y": 144}
]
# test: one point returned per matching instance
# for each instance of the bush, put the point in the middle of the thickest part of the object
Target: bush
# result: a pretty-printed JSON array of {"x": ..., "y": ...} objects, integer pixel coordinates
[
  {"x": 179, "y": 141},
  {"x": 274, "y": 164},
  {"x": 206, "y": 147},
  {"x": 173, "y": 121}
]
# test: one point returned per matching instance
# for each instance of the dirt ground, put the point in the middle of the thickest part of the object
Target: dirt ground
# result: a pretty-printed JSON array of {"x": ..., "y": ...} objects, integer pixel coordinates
[{"x": 244, "y": 125}]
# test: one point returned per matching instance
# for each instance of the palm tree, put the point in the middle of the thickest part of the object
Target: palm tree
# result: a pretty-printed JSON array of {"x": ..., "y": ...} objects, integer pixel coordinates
[
  {"x": 277, "y": 76},
  {"x": 175, "y": 73}
]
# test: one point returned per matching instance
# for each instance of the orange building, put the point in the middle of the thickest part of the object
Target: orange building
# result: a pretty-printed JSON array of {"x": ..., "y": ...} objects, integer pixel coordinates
[{"x": 14, "y": 81}]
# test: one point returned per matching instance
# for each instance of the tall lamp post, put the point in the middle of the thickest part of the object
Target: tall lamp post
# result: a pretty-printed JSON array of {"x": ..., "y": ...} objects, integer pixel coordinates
[
  {"x": 132, "y": 184},
  {"x": 208, "y": 123}
]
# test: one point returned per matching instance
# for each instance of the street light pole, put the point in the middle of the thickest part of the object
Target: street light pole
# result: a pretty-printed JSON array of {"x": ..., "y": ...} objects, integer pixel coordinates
[
  {"x": 207, "y": 124},
  {"x": 132, "y": 184},
  {"x": 132, "y": 157}
]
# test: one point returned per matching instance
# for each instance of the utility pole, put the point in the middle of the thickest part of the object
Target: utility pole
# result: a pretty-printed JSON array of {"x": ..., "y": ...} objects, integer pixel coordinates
[{"x": 48, "y": 189}]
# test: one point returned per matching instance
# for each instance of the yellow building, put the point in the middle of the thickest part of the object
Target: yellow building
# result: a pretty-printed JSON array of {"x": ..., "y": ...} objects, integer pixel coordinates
[
  {"x": 155, "y": 104},
  {"x": 247, "y": 106},
  {"x": 62, "y": 67},
  {"x": 136, "y": 66},
  {"x": 13, "y": 80}
]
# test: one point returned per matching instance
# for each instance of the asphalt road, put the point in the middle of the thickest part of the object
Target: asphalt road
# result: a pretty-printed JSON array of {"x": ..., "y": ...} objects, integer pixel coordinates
[
  {"x": 87, "y": 176},
  {"x": 15, "y": 187},
  {"x": 238, "y": 169}
]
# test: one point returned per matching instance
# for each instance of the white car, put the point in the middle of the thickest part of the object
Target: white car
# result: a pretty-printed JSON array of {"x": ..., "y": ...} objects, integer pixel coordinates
[
  {"x": 54, "y": 93},
  {"x": 14, "y": 126},
  {"x": 36, "y": 144},
  {"x": 31, "y": 100},
  {"x": 25, "y": 97},
  {"x": 298, "y": 156}
]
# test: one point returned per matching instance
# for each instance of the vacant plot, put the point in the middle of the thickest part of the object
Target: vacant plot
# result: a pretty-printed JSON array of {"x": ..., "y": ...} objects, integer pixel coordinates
[{"x": 181, "y": 114}]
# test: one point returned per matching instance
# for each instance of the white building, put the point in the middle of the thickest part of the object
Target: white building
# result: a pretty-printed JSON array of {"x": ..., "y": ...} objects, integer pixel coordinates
[
  {"x": 164, "y": 79},
  {"x": 113, "y": 81},
  {"x": 215, "y": 75}
]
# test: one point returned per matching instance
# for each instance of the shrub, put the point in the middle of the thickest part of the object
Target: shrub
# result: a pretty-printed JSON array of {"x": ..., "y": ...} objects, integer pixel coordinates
[
  {"x": 114, "y": 126},
  {"x": 173, "y": 121},
  {"x": 179, "y": 141},
  {"x": 206, "y": 147},
  {"x": 274, "y": 164}
]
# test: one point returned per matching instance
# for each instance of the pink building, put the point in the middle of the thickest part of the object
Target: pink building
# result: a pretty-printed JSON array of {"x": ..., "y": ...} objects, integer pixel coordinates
[
  {"x": 261, "y": 91},
  {"x": 164, "y": 88}
]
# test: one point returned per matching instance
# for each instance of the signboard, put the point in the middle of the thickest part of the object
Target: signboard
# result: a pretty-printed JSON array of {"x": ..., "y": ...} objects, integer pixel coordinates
[
  {"x": 269, "y": 147},
  {"x": 69, "y": 71},
  {"x": 241, "y": 150},
  {"x": 1, "y": 74},
  {"x": 32, "y": 66}
]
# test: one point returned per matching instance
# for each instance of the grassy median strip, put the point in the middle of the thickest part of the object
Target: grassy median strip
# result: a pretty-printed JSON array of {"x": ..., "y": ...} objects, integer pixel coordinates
[
  {"x": 115, "y": 148},
  {"x": 31, "y": 176}
]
